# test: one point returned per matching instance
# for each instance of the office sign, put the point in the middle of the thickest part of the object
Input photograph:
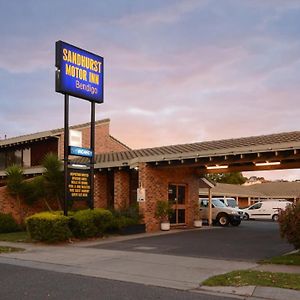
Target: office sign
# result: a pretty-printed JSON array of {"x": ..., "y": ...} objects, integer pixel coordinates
[
  {"x": 79, "y": 184},
  {"x": 79, "y": 73},
  {"x": 79, "y": 151}
]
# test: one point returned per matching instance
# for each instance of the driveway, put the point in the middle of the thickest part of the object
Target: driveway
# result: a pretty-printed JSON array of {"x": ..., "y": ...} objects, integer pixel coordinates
[{"x": 251, "y": 241}]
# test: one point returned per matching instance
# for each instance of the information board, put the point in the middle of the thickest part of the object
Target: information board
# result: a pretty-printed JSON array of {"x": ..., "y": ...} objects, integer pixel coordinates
[{"x": 79, "y": 184}]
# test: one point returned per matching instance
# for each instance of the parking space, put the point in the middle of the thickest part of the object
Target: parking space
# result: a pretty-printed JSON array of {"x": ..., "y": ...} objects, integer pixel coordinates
[{"x": 251, "y": 241}]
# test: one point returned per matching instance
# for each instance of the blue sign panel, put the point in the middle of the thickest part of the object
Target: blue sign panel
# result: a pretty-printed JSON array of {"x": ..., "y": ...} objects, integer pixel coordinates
[
  {"x": 78, "y": 151},
  {"x": 79, "y": 72}
]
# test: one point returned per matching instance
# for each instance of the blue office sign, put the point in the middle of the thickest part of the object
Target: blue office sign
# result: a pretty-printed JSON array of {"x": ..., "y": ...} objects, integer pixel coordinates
[
  {"x": 79, "y": 151},
  {"x": 79, "y": 72}
]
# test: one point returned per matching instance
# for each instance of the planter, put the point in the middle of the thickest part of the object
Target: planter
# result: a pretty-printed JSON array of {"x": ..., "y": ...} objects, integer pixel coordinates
[
  {"x": 198, "y": 223},
  {"x": 165, "y": 226},
  {"x": 133, "y": 229}
]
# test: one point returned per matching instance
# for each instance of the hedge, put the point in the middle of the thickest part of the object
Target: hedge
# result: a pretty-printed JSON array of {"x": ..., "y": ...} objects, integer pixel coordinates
[
  {"x": 90, "y": 223},
  {"x": 8, "y": 223},
  {"x": 48, "y": 227}
]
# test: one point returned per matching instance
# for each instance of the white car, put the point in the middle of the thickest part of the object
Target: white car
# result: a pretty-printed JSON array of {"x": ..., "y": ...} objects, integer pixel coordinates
[
  {"x": 221, "y": 213},
  {"x": 267, "y": 210},
  {"x": 231, "y": 202}
]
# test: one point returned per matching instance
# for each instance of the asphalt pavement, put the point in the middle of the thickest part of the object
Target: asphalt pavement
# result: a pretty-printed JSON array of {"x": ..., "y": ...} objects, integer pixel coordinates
[
  {"x": 251, "y": 241},
  {"x": 32, "y": 284},
  {"x": 173, "y": 259}
]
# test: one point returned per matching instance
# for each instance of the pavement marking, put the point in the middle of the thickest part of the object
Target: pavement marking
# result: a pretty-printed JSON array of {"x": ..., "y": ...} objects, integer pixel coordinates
[{"x": 144, "y": 248}]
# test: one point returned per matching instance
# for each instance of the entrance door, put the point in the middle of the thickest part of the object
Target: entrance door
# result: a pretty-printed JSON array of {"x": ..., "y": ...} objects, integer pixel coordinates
[{"x": 177, "y": 197}]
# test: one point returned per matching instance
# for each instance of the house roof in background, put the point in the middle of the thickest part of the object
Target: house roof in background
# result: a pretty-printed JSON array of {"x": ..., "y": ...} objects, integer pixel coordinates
[{"x": 262, "y": 190}]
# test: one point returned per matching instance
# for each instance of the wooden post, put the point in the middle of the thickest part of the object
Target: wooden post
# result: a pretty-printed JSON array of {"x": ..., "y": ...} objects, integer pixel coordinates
[{"x": 209, "y": 208}]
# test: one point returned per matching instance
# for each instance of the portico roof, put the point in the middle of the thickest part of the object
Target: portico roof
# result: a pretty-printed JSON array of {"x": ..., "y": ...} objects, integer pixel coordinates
[{"x": 238, "y": 154}]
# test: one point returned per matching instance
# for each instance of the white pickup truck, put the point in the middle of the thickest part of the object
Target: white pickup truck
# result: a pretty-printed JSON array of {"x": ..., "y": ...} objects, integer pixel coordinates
[{"x": 221, "y": 214}]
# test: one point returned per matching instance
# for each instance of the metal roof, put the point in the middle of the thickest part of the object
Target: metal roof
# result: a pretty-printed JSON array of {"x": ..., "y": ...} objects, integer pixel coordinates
[
  {"x": 246, "y": 145},
  {"x": 43, "y": 135}
]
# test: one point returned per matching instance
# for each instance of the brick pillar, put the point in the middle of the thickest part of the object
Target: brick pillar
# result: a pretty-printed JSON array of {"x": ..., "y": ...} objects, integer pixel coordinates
[
  {"x": 100, "y": 196},
  {"x": 150, "y": 181},
  {"x": 121, "y": 189}
]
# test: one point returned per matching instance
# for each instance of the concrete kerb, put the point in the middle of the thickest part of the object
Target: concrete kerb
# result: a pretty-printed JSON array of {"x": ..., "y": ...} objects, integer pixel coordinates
[
  {"x": 252, "y": 292},
  {"x": 52, "y": 257}
]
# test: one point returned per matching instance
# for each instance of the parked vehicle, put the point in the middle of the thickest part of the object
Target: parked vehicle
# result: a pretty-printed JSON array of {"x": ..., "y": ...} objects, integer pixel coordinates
[
  {"x": 231, "y": 202},
  {"x": 268, "y": 210},
  {"x": 221, "y": 213}
]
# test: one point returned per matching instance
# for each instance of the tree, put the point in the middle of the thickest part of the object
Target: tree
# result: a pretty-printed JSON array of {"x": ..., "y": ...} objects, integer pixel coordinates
[
  {"x": 289, "y": 224},
  {"x": 53, "y": 178},
  {"x": 15, "y": 185},
  {"x": 231, "y": 178}
]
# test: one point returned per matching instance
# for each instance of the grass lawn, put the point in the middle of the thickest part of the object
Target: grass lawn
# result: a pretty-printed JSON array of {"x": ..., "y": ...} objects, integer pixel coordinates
[
  {"x": 20, "y": 236},
  {"x": 290, "y": 259},
  {"x": 9, "y": 249},
  {"x": 258, "y": 278}
]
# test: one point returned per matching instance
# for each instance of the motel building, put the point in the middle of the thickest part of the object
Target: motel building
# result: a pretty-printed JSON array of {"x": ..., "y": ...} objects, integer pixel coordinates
[{"x": 171, "y": 173}]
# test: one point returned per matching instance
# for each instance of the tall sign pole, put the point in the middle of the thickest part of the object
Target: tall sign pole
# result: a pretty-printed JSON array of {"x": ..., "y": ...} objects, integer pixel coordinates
[
  {"x": 80, "y": 74},
  {"x": 66, "y": 153},
  {"x": 92, "y": 159}
]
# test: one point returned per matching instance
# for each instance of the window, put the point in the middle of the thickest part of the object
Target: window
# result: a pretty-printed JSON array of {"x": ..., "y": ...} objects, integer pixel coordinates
[
  {"x": 20, "y": 157},
  {"x": 256, "y": 206},
  {"x": 26, "y": 158},
  {"x": 2, "y": 160}
]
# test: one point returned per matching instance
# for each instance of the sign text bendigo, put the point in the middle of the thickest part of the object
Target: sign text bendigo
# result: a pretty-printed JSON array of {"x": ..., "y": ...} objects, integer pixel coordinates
[
  {"x": 79, "y": 72},
  {"x": 79, "y": 185}
]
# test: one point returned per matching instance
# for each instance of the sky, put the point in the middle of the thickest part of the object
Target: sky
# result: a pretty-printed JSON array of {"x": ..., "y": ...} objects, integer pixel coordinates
[{"x": 175, "y": 71}]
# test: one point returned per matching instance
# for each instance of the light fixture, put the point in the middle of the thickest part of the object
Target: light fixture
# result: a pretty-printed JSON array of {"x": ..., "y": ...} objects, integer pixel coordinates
[
  {"x": 267, "y": 163},
  {"x": 79, "y": 165},
  {"x": 216, "y": 167}
]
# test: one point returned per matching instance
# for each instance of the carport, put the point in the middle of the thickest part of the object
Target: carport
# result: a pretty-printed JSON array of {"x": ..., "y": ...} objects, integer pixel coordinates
[{"x": 156, "y": 173}]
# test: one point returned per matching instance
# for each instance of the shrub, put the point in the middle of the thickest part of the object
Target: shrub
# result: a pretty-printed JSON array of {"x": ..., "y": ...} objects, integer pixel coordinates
[
  {"x": 8, "y": 223},
  {"x": 163, "y": 210},
  {"x": 48, "y": 227},
  {"x": 289, "y": 223},
  {"x": 125, "y": 217},
  {"x": 90, "y": 223}
]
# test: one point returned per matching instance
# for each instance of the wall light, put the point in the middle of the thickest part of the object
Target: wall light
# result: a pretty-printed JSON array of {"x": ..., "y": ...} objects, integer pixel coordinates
[
  {"x": 216, "y": 167},
  {"x": 268, "y": 163}
]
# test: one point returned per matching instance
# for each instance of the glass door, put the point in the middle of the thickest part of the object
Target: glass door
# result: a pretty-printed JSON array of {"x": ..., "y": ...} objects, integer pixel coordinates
[{"x": 177, "y": 198}]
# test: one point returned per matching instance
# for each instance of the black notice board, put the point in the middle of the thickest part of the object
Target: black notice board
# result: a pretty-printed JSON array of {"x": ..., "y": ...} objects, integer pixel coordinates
[{"x": 79, "y": 184}]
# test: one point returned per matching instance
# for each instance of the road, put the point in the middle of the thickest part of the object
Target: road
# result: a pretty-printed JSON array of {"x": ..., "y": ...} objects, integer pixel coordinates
[{"x": 27, "y": 283}]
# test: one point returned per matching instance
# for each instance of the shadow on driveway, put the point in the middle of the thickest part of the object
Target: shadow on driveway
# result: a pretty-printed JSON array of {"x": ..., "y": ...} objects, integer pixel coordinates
[{"x": 251, "y": 241}]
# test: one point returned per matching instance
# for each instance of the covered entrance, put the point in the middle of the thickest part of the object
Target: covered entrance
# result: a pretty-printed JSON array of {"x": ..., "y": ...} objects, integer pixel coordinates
[{"x": 173, "y": 173}]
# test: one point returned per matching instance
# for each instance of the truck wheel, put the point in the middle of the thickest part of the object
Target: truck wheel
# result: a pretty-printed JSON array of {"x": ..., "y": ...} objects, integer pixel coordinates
[
  {"x": 246, "y": 216},
  {"x": 223, "y": 220},
  {"x": 275, "y": 218},
  {"x": 235, "y": 223}
]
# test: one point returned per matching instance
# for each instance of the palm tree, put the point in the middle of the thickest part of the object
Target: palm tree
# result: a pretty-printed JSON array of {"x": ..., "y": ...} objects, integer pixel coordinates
[
  {"x": 15, "y": 185},
  {"x": 53, "y": 178}
]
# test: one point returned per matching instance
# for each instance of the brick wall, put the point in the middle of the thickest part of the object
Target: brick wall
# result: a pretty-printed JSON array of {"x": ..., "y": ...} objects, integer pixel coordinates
[
  {"x": 156, "y": 180},
  {"x": 8, "y": 204},
  {"x": 100, "y": 195},
  {"x": 103, "y": 141},
  {"x": 121, "y": 189}
]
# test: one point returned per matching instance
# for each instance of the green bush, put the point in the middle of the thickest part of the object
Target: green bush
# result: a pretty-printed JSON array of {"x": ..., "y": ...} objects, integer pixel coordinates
[
  {"x": 289, "y": 224},
  {"x": 8, "y": 223},
  {"x": 90, "y": 223},
  {"x": 48, "y": 227},
  {"x": 119, "y": 222}
]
